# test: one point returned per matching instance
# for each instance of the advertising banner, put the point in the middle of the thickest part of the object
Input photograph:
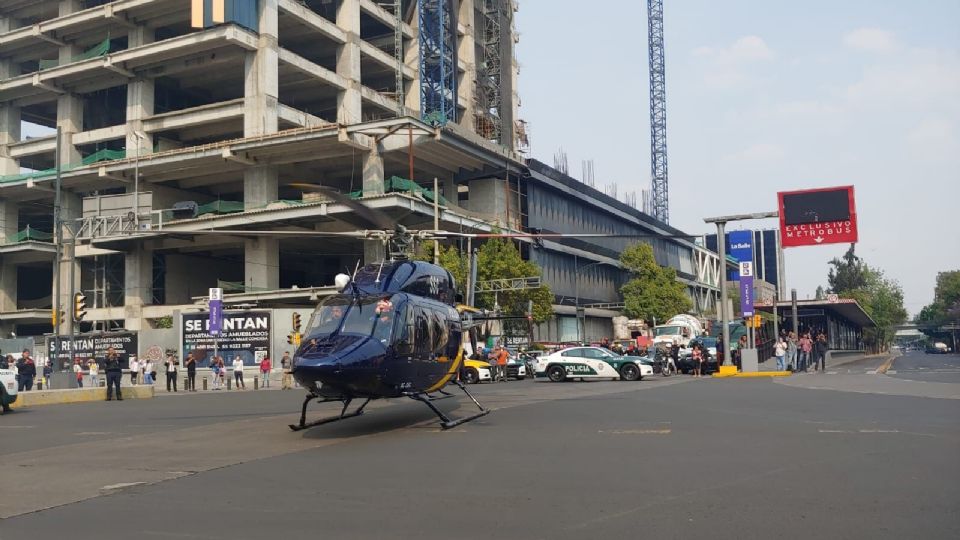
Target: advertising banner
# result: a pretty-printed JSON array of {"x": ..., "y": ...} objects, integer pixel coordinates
[
  {"x": 216, "y": 310},
  {"x": 746, "y": 289},
  {"x": 815, "y": 217},
  {"x": 92, "y": 345},
  {"x": 243, "y": 333},
  {"x": 740, "y": 247}
]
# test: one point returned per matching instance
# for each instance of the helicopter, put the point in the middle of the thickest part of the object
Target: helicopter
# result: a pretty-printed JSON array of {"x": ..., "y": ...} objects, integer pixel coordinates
[{"x": 394, "y": 329}]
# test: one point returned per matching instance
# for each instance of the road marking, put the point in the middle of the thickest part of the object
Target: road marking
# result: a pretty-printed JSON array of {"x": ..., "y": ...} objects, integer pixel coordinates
[
  {"x": 886, "y": 365},
  {"x": 91, "y": 433},
  {"x": 636, "y": 432},
  {"x": 113, "y": 487},
  {"x": 859, "y": 431},
  {"x": 16, "y": 427}
]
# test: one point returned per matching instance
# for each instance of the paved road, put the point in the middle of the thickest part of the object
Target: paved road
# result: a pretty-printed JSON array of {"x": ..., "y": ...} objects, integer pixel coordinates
[
  {"x": 919, "y": 366},
  {"x": 663, "y": 458}
]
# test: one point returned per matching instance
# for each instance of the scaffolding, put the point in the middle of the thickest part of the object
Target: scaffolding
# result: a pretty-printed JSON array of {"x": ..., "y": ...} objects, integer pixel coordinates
[
  {"x": 438, "y": 62},
  {"x": 489, "y": 95}
]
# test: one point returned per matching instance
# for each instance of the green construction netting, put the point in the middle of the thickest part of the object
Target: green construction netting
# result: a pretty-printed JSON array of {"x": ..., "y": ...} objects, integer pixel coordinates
[
  {"x": 96, "y": 157},
  {"x": 220, "y": 207},
  {"x": 396, "y": 184},
  {"x": 29, "y": 234},
  {"x": 99, "y": 49}
]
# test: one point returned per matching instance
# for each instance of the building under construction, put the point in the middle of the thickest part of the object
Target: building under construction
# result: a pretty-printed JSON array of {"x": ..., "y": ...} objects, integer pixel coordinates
[{"x": 180, "y": 116}]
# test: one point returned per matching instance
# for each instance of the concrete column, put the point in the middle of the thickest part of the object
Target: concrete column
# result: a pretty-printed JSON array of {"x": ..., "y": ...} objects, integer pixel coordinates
[
  {"x": 373, "y": 181},
  {"x": 260, "y": 76},
  {"x": 449, "y": 190},
  {"x": 140, "y": 99},
  {"x": 70, "y": 209},
  {"x": 349, "y": 105},
  {"x": 138, "y": 286},
  {"x": 9, "y": 134},
  {"x": 259, "y": 186},
  {"x": 467, "y": 57},
  {"x": 489, "y": 197},
  {"x": 508, "y": 86},
  {"x": 261, "y": 263},
  {"x": 70, "y": 120},
  {"x": 9, "y": 218}
]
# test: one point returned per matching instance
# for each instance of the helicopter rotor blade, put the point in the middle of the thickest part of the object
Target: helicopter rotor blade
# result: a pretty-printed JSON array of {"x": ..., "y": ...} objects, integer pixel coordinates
[
  {"x": 312, "y": 234},
  {"x": 374, "y": 218}
]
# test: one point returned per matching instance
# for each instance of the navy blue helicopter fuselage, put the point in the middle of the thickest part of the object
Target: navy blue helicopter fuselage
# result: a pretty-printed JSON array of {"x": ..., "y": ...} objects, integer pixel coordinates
[{"x": 391, "y": 332}]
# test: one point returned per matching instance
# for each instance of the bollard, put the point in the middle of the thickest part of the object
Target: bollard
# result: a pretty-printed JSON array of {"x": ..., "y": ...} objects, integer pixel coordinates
[
  {"x": 40, "y": 383},
  {"x": 186, "y": 383},
  {"x": 228, "y": 383},
  {"x": 204, "y": 383},
  {"x": 256, "y": 383}
]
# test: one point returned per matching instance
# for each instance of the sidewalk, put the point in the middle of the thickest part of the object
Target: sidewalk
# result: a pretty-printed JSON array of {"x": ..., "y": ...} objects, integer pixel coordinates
[{"x": 160, "y": 385}]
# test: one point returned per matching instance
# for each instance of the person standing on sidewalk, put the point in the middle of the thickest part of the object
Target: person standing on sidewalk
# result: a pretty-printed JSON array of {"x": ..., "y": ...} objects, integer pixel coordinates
[
  {"x": 134, "y": 370},
  {"x": 285, "y": 364},
  {"x": 191, "y": 373},
  {"x": 820, "y": 353},
  {"x": 111, "y": 364},
  {"x": 26, "y": 371},
  {"x": 171, "y": 370},
  {"x": 806, "y": 347},
  {"x": 94, "y": 372},
  {"x": 238, "y": 372},
  {"x": 148, "y": 372},
  {"x": 78, "y": 372},
  {"x": 779, "y": 350},
  {"x": 792, "y": 351},
  {"x": 265, "y": 368}
]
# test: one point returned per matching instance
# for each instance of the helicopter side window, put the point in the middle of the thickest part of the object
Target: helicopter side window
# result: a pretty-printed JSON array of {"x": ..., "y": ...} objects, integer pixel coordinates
[
  {"x": 421, "y": 332},
  {"x": 438, "y": 331}
]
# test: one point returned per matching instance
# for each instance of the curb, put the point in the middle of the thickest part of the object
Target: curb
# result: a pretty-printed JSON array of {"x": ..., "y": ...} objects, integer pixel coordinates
[
  {"x": 77, "y": 395},
  {"x": 753, "y": 374},
  {"x": 882, "y": 370}
]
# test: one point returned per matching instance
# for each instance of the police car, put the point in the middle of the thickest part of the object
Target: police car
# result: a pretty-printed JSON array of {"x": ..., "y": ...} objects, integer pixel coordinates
[
  {"x": 591, "y": 363},
  {"x": 8, "y": 388}
]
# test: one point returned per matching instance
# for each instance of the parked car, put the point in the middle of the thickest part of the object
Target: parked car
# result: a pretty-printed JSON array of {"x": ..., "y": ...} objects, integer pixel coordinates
[
  {"x": 475, "y": 371},
  {"x": 516, "y": 368},
  {"x": 8, "y": 388},
  {"x": 591, "y": 363}
]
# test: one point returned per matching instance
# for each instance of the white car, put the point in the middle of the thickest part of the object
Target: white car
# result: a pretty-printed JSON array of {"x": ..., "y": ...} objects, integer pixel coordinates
[
  {"x": 8, "y": 388},
  {"x": 591, "y": 363}
]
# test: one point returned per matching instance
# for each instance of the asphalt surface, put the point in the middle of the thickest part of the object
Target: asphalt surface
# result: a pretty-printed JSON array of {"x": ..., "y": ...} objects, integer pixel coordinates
[
  {"x": 927, "y": 368},
  {"x": 867, "y": 456}
]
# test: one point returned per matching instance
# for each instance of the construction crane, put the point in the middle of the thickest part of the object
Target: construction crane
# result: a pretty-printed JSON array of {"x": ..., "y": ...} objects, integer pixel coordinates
[{"x": 658, "y": 112}]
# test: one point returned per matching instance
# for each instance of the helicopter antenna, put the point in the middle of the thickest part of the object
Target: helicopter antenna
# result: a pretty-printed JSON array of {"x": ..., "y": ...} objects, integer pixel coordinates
[{"x": 377, "y": 281}]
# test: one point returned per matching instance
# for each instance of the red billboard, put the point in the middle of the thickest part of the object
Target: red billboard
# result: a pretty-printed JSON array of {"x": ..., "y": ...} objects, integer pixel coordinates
[{"x": 814, "y": 217}]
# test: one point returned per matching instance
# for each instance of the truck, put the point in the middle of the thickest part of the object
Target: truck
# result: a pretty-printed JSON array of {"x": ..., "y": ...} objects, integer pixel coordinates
[{"x": 680, "y": 328}]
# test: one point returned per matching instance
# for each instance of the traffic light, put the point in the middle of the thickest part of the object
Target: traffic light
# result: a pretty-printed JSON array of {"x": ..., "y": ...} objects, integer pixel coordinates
[
  {"x": 79, "y": 306},
  {"x": 291, "y": 338},
  {"x": 296, "y": 321}
]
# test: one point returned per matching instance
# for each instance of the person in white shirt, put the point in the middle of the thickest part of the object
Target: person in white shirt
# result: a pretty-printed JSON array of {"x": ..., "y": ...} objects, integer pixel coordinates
[
  {"x": 148, "y": 372},
  {"x": 134, "y": 369},
  {"x": 78, "y": 372},
  {"x": 238, "y": 372}
]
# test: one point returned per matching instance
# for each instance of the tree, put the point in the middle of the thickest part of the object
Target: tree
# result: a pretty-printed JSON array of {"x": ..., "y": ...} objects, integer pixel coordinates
[
  {"x": 848, "y": 273},
  {"x": 653, "y": 291},
  {"x": 945, "y": 308},
  {"x": 820, "y": 295},
  {"x": 497, "y": 259}
]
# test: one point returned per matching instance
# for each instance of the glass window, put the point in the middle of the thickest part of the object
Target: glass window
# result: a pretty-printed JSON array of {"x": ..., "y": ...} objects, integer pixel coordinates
[{"x": 572, "y": 353}]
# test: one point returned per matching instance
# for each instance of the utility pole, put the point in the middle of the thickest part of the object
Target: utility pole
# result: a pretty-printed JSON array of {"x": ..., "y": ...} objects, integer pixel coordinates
[{"x": 58, "y": 252}]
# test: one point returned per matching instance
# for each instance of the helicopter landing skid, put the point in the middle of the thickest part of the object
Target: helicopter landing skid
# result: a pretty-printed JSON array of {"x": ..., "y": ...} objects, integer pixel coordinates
[
  {"x": 446, "y": 421},
  {"x": 343, "y": 413}
]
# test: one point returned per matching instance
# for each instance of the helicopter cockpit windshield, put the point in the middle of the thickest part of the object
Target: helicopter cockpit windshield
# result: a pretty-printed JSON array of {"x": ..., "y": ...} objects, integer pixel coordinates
[{"x": 367, "y": 316}]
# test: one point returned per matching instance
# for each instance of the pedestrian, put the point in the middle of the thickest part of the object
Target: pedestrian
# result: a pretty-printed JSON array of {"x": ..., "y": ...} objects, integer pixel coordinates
[
  {"x": 605, "y": 343},
  {"x": 6, "y": 361},
  {"x": 696, "y": 355},
  {"x": 191, "y": 373},
  {"x": 111, "y": 364},
  {"x": 286, "y": 380},
  {"x": 791, "y": 351},
  {"x": 94, "y": 372},
  {"x": 134, "y": 370},
  {"x": 265, "y": 367},
  {"x": 806, "y": 347},
  {"x": 779, "y": 350},
  {"x": 820, "y": 353},
  {"x": 47, "y": 372},
  {"x": 215, "y": 370},
  {"x": 502, "y": 358},
  {"x": 675, "y": 352},
  {"x": 171, "y": 370},
  {"x": 26, "y": 371},
  {"x": 78, "y": 372},
  {"x": 148, "y": 372},
  {"x": 238, "y": 372}
]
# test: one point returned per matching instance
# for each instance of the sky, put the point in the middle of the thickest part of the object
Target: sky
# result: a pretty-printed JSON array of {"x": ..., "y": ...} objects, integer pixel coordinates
[{"x": 765, "y": 97}]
